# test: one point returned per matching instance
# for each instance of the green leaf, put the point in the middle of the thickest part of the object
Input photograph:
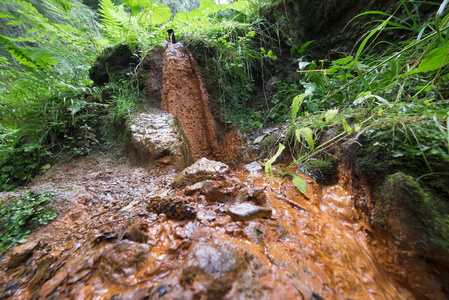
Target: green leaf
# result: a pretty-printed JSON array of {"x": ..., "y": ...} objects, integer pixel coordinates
[
  {"x": 367, "y": 95},
  {"x": 299, "y": 183},
  {"x": 445, "y": 132},
  {"x": 292, "y": 51},
  {"x": 433, "y": 61},
  {"x": 303, "y": 47},
  {"x": 268, "y": 167},
  {"x": 350, "y": 124},
  {"x": 397, "y": 153},
  {"x": 155, "y": 14},
  {"x": 374, "y": 31},
  {"x": 241, "y": 6},
  {"x": 330, "y": 115},
  {"x": 296, "y": 104},
  {"x": 307, "y": 133},
  {"x": 343, "y": 61},
  {"x": 4, "y": 15}
]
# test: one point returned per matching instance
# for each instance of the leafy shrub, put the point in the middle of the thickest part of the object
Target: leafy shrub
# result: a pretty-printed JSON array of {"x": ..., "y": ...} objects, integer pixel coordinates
[{"x": 22, "y": 214}]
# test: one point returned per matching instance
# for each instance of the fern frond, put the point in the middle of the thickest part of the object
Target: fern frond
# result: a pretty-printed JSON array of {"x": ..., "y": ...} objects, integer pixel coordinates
[{"x": 109, "y": 15}]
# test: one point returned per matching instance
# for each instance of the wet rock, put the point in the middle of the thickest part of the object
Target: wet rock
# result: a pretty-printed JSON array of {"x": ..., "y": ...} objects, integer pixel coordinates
[
  {"x": 185, "y": 96},
  {"x": 248, "y": 211},
  {"x": 252, "y": 167},
  {"x": 210, "y": 270},
  {"x": 224, "y": 271},
  {"x": 173, "y": 208},
  {"x": 160, "y": 291},
  {"x": 214, "y": 191},
  {"x": 179, "y": 233},
  {"x": 254, "y": 232},
  {"x": 178, "y": 245},
  {"x": 9, "y": 289},
  {"x": 255, "y": 194},
  {"x": 207, "y": 215},
  {"x": 20, "y": 253},
  {"x": 137, "y": 232},
  {"x": 201, "y": 170},
  {"x": 232, "y": 150},
  {"x": 159, "y": 136},
  {"x": 211, "y": 191},
  {"x": 123, "y": 260},
  {"x": 190, "y": 229},
  {"x": 42, "y": 273},
  {"x": 150, "y": 75},
  {"x": 234, "y": 229},
  {"x": 192, "y": 189}
]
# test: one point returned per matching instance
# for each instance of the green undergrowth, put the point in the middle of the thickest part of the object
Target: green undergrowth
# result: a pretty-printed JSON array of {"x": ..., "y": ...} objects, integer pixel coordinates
[
  {"x": 397, "y": 99},
  {"x": 417, "y": 148},
  {"x": 23, "y": 214},
  {"x": 49, "y": 107}
]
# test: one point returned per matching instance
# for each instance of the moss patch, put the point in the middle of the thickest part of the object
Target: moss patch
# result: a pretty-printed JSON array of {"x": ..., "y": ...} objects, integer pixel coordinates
[
  {"x": 322, "y": 170},
  {"x": 267, "y": 144},
  {"x": 416, "y": 149},
  {"x": 409, "y": 212}
]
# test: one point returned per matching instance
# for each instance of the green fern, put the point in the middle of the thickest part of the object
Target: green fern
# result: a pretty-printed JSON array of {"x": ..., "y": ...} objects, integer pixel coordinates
[{"x": 123, "y": 27}]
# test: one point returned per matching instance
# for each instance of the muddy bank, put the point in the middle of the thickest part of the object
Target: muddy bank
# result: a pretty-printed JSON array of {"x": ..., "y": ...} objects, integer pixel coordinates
[{"x": 127, "y": 234}]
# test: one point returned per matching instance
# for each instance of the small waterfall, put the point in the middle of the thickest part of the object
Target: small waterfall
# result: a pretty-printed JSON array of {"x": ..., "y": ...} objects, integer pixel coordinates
[{"x": 184, "y": 96}]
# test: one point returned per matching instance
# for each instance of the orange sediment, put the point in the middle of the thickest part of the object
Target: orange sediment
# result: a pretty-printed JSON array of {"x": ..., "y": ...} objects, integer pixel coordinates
[{"x": 184, "y": 95}]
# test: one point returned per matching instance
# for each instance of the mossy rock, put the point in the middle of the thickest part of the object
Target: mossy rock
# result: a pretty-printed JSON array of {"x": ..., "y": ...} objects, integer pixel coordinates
[
  {"x": 113, "y": 63},
  {"x": 399, "y": 177},
  {"x": 323, "y": 171},
  {"x": 267, "y": 144},
  {"x": 405, "y": 209}
]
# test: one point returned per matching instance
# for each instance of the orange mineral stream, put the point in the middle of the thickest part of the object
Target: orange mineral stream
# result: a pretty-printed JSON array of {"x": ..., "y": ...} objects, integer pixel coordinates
[{"x": 184, "y": 96}]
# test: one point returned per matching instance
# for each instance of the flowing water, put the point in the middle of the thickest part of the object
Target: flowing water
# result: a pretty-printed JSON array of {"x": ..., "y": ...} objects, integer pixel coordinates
[
  {"x": 184, "y": 96},
  {"x": 125, "y": 233}
]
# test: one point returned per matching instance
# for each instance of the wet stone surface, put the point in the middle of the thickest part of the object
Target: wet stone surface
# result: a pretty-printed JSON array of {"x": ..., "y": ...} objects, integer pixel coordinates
[
  {"x": 253, "y": 167},
  {"x": 248, "y": 211},
  {"x": 201, "y": 170},
  {"x": 122, "y": 261},
  {"x": 157, "y": 135},
  {"x": 125, "y": 234},
  {"x": 21, "y": 253}
]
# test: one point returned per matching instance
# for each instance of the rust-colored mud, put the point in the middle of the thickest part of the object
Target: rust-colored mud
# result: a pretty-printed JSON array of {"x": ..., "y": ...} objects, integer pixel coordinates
[
  {"x": 112, "y": 242},
  {"x": 231, "y": 149},
  {"x": 184, "y": 95},
  {"x": 321, "y": 241}
]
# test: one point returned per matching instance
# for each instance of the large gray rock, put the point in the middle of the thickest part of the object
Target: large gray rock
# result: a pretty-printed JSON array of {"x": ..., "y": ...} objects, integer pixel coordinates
[
  {"x": 201, "y": 170},
  {"x": 247, "y": 211},
  {"x": 158, "y": 135}
]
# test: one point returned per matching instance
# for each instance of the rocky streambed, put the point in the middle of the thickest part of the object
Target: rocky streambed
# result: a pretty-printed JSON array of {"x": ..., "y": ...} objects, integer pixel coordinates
[{"x": 205, "y": 233}]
